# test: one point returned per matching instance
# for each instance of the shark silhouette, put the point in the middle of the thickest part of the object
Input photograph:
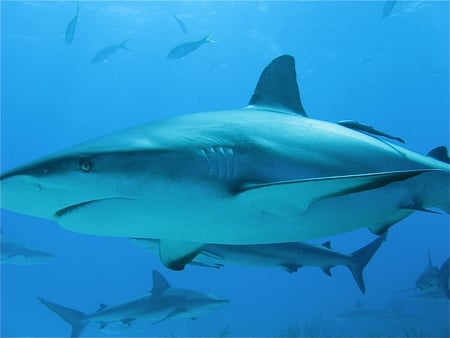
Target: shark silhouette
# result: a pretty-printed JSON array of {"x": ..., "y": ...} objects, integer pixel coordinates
[{"x": 162, "y": 303}]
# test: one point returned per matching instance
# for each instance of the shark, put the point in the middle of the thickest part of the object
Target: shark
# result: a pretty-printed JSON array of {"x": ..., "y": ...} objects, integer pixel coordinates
[
  {"x": 288, "y": 256},
  {"x": 13, "y": 252},
  {"x": 264, "y": 173},
  {"x": 162, "y": 303},
  {"x": 433, "y": 282},
  {"x": 392, "y": 313}
]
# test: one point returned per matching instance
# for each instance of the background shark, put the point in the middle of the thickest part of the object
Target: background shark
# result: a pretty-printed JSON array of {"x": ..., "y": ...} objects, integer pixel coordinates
[
  {"x": 433, "y": 282},
  {"x": 13, "y": 252},
  {"x": 164, "y": 302},
  {"x": 263, "y": 174},
  {"x": 288, "y": 256},
  {"x": 391, "y": 313}
]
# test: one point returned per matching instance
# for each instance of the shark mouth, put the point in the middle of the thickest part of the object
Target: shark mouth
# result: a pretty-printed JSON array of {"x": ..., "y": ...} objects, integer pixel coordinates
[{"x": 64, "y": 211}]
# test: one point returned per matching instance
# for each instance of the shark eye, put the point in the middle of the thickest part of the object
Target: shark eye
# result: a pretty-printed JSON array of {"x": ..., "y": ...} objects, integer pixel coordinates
[{"x": 85, "y": 165}]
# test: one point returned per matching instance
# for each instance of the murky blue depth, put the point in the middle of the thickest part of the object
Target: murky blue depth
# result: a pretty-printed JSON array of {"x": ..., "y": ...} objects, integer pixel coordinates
[{"x": 73, "y": 71}]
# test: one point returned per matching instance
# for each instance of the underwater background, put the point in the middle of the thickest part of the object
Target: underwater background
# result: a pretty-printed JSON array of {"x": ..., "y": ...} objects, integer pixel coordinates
[{"x": 353, "y": 61}]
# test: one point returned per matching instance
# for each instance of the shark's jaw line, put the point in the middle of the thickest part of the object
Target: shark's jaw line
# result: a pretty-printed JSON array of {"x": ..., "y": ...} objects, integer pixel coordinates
[{"x": 64, "y": 211}]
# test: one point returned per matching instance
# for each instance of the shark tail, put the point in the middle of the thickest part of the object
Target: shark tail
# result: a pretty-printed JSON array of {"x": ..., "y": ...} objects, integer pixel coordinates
[
  {"x": 76, "y": 319},
  {"x": 361, "y": 257},
  {"x": 124, "y": 44},
  {"x": 209, "y": 39}
]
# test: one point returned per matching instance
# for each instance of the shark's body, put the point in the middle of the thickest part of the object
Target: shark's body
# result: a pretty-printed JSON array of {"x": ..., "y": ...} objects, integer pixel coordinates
[
  {"x": 288, "y": 256},
  {"x": 161, "y": 304},
  {"x": 263, "y": 174},
  {"x": 13, "y": 252}
]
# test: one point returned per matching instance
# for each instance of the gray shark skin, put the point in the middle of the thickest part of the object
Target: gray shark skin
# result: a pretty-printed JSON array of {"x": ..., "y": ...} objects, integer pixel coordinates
[
  {"x": 266, "y": 173},
  {"x": 162, "y": 303},
  {"x": 13, "y": 252},
  {"x": 288, "y": 256}
]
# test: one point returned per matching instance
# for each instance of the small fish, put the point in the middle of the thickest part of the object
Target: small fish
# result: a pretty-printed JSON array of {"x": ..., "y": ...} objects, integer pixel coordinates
[
  {"x": 108, "y": 51},
  {"x": 13, "y": 252},
  {"x": 387, "y": 8},
  {"x": 368, "y": 129},
  {"x": 70, "y": 29},
  {"x": 188, "y": 47},
  {"x": 180, "y": 24}
]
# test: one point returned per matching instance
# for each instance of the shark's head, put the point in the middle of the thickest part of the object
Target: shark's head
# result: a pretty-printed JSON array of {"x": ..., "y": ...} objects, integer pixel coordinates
[
  {"x": 52, "y": 187},
  {"x": 429, "y": 279},
  {"x": 201, "y": 302},
  {"x": 89, "y": 173}
]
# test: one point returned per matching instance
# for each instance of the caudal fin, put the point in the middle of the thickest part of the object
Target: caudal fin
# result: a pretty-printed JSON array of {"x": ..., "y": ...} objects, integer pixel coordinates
[
  {"x": 124, "y": 44},
  {"x": 75, "y": 318},
  {"x": 208, "y": 38},
  {"x": 361, "y": 257}
]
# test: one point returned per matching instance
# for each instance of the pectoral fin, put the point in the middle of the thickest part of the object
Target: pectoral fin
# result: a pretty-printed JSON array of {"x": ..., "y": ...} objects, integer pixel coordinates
[
  {"x": 176, "y": 254},
  {"x": 171, "y": 314},
  {"x": 300, "y": 194}
]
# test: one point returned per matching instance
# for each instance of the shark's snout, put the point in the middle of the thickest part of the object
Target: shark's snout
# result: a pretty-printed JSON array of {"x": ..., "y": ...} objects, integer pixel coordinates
[{"x": 25, "y": 194}]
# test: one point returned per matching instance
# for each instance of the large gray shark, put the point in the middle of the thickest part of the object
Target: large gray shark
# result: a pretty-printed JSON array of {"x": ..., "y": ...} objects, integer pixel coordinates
[
  {"x": 162, "y": 303},
  {"x": 266, "y": 173},
  {"x": 13, "y": 252},
  {"x": 289, "y": 256}
]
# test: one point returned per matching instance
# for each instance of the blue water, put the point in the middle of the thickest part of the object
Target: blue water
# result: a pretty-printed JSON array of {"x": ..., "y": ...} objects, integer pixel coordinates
[{"x": 390, "y": 73}]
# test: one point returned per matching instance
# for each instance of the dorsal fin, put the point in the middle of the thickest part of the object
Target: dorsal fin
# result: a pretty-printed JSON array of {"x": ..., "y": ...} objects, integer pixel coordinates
[
  {"x": 430, "y": 263},
  {"x": 159, "y": 283},
  {"x": 277, "y": 87},
  {"x": 327, "y": 244},
  {"x": 102, "y": 307},
  {"x": 440, "y": 153},
  {"x": 327, "y": 270}
]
